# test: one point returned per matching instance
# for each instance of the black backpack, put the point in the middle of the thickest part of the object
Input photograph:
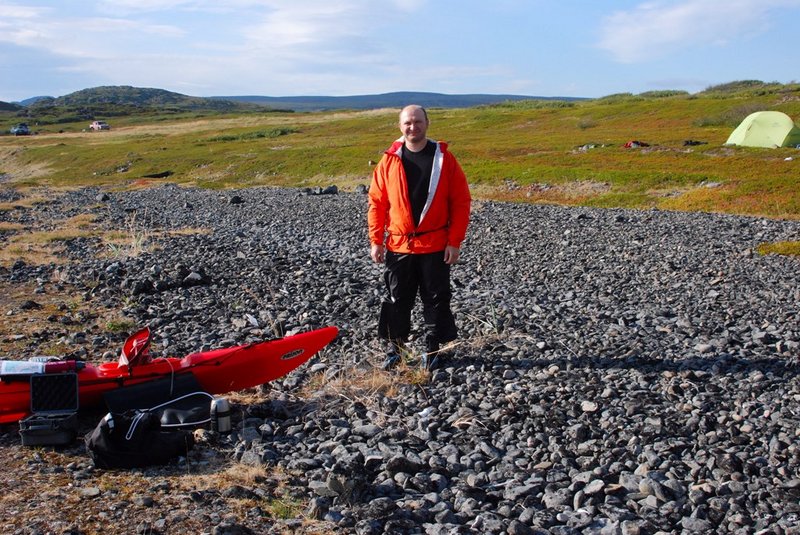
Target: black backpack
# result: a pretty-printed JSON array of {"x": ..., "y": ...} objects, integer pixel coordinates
[{"x": 135, "y": 439}]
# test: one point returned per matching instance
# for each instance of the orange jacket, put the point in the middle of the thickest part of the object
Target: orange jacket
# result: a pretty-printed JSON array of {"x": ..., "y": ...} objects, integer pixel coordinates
[{"x": 445, "y": 217}]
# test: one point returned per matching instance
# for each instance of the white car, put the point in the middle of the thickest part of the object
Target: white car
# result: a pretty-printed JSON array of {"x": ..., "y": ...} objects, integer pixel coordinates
[{"x": 99, "y": 125}]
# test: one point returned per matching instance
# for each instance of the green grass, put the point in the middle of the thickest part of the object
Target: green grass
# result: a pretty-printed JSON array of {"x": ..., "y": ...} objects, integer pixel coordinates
[
  {"x": 788, "y": 248},
  {"x": 287, "y": 508},
  {"x": 259, "y": 134},
  {"x": 530, "y": 143},
  {"x": 120, "y": 325}
]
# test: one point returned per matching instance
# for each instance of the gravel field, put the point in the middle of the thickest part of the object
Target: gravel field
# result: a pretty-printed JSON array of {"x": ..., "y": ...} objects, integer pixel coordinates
[{"x": 618, "y": 372}]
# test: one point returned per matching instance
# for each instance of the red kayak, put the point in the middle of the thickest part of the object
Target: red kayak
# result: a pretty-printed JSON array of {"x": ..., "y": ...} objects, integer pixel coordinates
[{"x": 217, "y": 371}]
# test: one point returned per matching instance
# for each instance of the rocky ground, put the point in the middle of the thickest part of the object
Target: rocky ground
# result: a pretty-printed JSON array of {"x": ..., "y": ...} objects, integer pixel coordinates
[{"x": 618, "y": 372}]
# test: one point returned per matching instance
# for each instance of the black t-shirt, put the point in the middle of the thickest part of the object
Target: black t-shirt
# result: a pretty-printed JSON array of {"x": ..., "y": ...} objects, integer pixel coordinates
[{"x": 418, "y": 167}]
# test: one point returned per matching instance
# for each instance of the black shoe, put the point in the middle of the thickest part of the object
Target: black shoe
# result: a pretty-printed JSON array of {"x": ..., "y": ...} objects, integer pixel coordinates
[
  {"x": 394, "y": 354},
  {"x": 391, "y": 361},
  {"x": 430, "y": 361}
]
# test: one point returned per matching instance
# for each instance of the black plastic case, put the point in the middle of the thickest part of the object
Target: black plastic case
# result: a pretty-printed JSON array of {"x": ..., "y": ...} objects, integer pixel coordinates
[{"x": 54, "y": 408}]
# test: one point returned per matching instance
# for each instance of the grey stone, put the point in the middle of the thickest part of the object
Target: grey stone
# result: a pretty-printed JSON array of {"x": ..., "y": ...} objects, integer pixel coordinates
[{"x": 632, "y": 371}]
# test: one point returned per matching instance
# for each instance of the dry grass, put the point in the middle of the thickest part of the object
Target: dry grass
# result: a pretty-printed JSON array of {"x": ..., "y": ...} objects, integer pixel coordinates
[
  {"x": 128, "y": 243},
  {"x": 275, "y": 480},
  {"x": 31, "y": 253},
  {"x": 465, "y": 422},
  {"x": 15, "y": 164},
  {"x": 24, "y": 202},
  {"x": 237, "y": 474},
  {"x": 365, "y": 385},
  {"x": 359, "y": 385},
  {"x": 46, "y": 246},
  {"x": 571, "y": 192}
]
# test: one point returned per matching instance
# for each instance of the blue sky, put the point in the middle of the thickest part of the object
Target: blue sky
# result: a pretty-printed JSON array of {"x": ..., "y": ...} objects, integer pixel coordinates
[{"x": 353, "y": 47}]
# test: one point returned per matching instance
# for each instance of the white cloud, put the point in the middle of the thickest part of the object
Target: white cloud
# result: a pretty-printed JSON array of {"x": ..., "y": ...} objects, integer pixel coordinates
[
  {"x": 409, "y": 5},
  {"x": 133, "y": 6},
  {"x": 655, "y": 29},
  {"x": 14, "y": 11},
  {"x": 317, "y": 45},
  {"x": 73, "y": 36},
  {"x": 18, "y": 23},
  {"x": 288, "y": 23},
  {"x": 110, "y": 26}
]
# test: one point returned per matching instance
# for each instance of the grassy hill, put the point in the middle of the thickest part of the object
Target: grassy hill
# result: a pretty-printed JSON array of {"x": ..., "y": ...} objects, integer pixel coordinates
[
  {"x": 137, "y": 97},
  {"x": 567, "y": 152},
  {"x": 33, "y": 100},
  {"x": 122, "y": 101}
]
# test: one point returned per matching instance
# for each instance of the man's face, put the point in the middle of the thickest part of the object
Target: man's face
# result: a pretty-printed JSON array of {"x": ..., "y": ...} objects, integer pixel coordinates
[{"x": 413, "y": 125}]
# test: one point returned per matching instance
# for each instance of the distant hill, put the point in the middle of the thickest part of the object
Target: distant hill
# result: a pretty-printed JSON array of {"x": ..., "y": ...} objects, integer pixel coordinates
[
  {"x": 384, "y": 100},
  {"x": 118, "y": 100},
  {"x": 33, "y": 100},
  {"x": 137, "y": 97},
  {"x": 9, "y": 106}
]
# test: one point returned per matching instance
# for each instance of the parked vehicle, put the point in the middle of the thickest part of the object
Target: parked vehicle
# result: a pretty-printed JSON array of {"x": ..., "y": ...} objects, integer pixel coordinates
[
  {"x": 20, "y": 129},
  {"x": 99, "y": 125}
]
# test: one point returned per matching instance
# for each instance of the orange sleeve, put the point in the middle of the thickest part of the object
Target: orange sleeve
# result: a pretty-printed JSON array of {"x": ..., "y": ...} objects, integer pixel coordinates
[
  {"x": 377, "y": 213},
  {"x": 459, "y": 205}
]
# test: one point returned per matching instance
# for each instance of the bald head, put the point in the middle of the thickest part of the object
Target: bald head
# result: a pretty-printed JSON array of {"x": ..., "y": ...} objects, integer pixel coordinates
[{"x": 414, "y": 108}]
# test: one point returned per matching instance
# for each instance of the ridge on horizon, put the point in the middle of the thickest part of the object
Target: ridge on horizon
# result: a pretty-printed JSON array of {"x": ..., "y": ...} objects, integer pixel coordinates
[
  {"x": 136, "y": 95},
  {"x": 384, "y": 100}
]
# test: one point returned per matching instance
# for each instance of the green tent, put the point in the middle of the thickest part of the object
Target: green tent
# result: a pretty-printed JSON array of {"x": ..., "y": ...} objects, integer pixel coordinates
[{"x": 766, "y": 129}]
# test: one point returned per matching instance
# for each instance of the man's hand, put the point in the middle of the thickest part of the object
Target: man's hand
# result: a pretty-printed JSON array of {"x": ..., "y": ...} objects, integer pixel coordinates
[
  {"x": 451, "y": 255},
  {"x": 378, "y": 253}
]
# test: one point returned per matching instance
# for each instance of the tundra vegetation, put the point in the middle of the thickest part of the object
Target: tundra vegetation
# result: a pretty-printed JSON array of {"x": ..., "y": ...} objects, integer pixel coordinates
[{"x": 567, "y": 152}]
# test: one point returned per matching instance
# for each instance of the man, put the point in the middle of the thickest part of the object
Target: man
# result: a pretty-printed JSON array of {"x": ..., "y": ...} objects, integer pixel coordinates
[{"x": 419, "y": 207}]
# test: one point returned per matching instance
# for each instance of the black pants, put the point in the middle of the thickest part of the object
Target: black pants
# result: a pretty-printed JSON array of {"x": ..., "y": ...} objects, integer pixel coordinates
[{"x": 405, "y": 276}]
